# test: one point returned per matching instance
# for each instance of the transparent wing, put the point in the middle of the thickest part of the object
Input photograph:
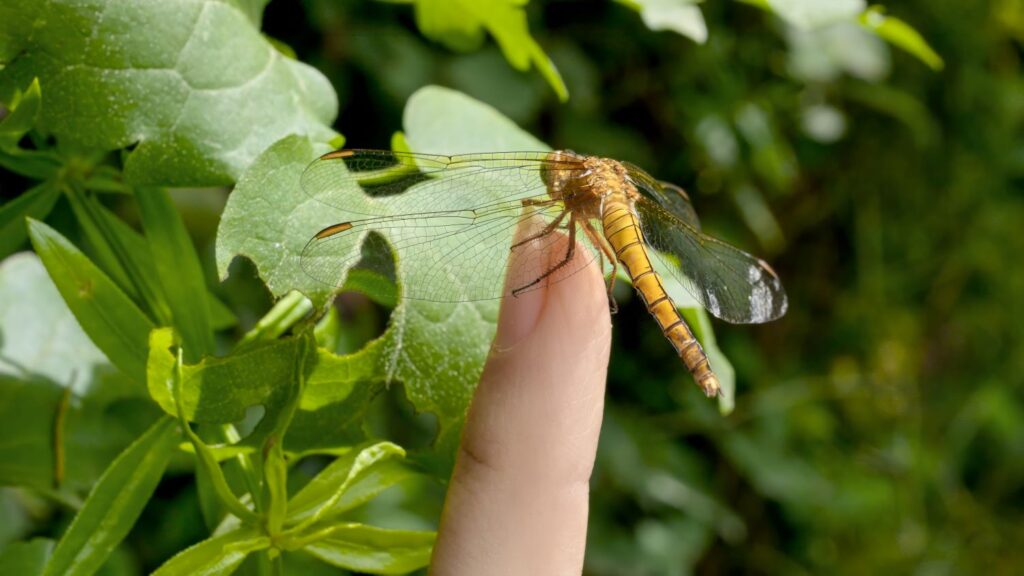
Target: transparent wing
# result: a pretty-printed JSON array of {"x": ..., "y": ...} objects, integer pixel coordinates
[
  {"x": 672, "y": 198},
  {"x": 449, "y": 220},
  {"x": 728, "y": 282},
  {"x": 447, "y": 180}
]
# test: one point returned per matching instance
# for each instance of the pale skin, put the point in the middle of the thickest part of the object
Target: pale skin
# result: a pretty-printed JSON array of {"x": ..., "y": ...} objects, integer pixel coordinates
[{"x": 518, "y": 498}]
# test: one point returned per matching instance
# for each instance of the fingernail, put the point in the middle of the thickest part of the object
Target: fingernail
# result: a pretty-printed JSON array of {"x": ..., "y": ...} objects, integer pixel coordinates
[
  {"x": 518, "y": 317},
  {"x": 520, "y": 313}
]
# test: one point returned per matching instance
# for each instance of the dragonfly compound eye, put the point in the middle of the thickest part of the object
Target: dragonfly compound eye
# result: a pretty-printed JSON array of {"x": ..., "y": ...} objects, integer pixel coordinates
[{"x": 558, "y": 171}]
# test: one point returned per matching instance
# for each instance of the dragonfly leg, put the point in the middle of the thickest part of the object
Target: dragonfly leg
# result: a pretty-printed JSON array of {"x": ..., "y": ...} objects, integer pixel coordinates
[
  {"x": 535, "y": 202},
  {"x": 598, "y": 240},
  {"x": 547, "y": 230},
  {"x": 570, "y": 251}
]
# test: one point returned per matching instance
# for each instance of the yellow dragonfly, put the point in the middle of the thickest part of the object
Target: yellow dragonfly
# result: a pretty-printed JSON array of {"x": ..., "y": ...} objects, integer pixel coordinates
[{"x": 451, "y": 222}]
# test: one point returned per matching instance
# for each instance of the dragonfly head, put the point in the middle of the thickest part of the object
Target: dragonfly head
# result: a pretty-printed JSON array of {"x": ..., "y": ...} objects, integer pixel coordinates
[{"x": 560, "y": 173}]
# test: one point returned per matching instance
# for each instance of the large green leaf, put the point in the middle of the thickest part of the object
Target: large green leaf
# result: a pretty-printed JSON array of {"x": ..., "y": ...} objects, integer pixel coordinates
[
  {"x": 114, "y": 503},
  {"x": 191, "y": 82},
  {"x": 437, "y": 350}
]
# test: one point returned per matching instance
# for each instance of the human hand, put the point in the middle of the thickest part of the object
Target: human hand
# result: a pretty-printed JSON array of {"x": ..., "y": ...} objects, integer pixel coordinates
[{"x": 518, "y": 499}]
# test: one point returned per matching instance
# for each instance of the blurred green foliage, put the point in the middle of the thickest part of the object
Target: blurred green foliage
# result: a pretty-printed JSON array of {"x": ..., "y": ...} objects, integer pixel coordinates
[{"x": 878, "y": 427}]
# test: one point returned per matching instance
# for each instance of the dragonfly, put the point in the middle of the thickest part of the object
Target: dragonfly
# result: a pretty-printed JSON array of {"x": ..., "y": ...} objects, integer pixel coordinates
[{"x": 451, "y": 222}]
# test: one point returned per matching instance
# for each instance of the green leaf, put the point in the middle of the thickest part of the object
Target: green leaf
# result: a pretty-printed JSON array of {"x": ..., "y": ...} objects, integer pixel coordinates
[
  {"x": 35, "y": 203},
  {"x": 201, "y": 92},
  {"x": 134, "y": 258},
  {"x": 275, "y": 474},
  {"x": 437, "y": 350},
  {"x": 210, "y": 473},
  {"x": 679, "y": 16},
  {"x": 26, "y": 558},
  {"x": 700, "y": 322},
  {"x": 269, "y": 220},
  {"x": 219, "y": 390},
  {"x": 899, "y": 33},
  {"x": 336, "y": 398},
  {"x": 178, "y": 268},
  {"x": 373, "y": 550},
  {"x": 281, "y": 317},
  {"x": 215, "y": 556},
  {"x": 253, "y": 9},
  {"x": 352, "y": 479},
  {"x": 114, "y": 503},
  {"x": 21, "y": 117},
  {"x": 106, "y": 248},
  {"x": 27, "y": 410},
  {"x": 460, "y": 25},
  {"x": 106, "y": 314}
]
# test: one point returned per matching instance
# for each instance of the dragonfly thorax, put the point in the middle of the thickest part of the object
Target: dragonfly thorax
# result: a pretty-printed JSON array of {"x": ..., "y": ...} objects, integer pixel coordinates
[{"x": 582, "y": 182}]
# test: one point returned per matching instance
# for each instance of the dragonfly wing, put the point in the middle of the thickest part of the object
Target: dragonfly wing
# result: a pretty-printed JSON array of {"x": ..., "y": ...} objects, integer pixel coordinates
[
  {"x": 672, "y": 198},
  {"x": 677, "y": 201},
  {"x": 379, "y": 174},
  {"x": 447, "y": 256},
  {"x": 449, "y": 219},
  {"x": 728, "y": 282}
]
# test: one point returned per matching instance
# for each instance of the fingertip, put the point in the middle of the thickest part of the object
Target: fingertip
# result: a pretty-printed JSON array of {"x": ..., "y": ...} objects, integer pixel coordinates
[
  {"x": 518, "y": 500},
  {"x": 572, "y": 301}
]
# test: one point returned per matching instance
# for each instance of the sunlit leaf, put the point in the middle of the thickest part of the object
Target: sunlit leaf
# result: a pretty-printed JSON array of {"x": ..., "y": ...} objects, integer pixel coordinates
[
  {"x": 810, "y": 14},
  {"x": 216, "y": 556},
  {"x": 220, "y": 390},
  {"x": 352, "y": 479},
  {"x": 680, "y": 16},
  {"x": 200, "y": 93},
  {"x": 900, "y": 34},
  {"x": 373, "y": 550},
  {"x": 22, "y": 112},
  {"x": 460, "y": 25}
]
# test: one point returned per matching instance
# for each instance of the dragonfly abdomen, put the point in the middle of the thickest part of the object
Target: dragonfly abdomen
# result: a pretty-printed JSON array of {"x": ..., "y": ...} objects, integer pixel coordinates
[{"x": 623, "y": 234}]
